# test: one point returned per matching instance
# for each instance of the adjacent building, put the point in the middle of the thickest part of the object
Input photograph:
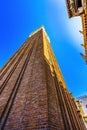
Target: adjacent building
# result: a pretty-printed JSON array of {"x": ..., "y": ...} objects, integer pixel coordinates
[
  {"x": 82, "y": 106},
  {"x": 79, "y": 8}
]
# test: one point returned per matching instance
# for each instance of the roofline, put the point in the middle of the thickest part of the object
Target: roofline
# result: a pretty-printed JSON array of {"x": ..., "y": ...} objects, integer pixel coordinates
[{"x": 41, "y": 28}]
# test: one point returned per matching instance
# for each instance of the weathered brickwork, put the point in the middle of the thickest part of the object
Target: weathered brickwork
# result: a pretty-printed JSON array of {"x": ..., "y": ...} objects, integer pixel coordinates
[{"x": 33, "y": 94}]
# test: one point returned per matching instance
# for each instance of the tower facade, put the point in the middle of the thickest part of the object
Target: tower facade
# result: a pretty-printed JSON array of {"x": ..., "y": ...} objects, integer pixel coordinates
[{"x": 33, "y": 94}]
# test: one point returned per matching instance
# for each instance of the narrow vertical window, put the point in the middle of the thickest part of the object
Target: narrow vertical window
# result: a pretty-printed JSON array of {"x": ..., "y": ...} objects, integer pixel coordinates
[
  {"x": 86, "y": 105},
  {"x": 79, "y": 3}
]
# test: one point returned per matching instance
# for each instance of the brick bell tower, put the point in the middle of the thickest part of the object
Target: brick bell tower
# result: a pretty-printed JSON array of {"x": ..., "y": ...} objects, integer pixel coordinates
[{"x": 33, "y": 94}]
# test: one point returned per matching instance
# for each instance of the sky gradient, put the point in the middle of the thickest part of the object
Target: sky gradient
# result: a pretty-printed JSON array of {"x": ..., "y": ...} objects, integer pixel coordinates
[{"x": 19, "y": 18}]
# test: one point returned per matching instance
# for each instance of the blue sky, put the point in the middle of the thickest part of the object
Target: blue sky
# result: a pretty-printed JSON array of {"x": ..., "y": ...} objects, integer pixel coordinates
[{"x": 19, "y": 18}]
